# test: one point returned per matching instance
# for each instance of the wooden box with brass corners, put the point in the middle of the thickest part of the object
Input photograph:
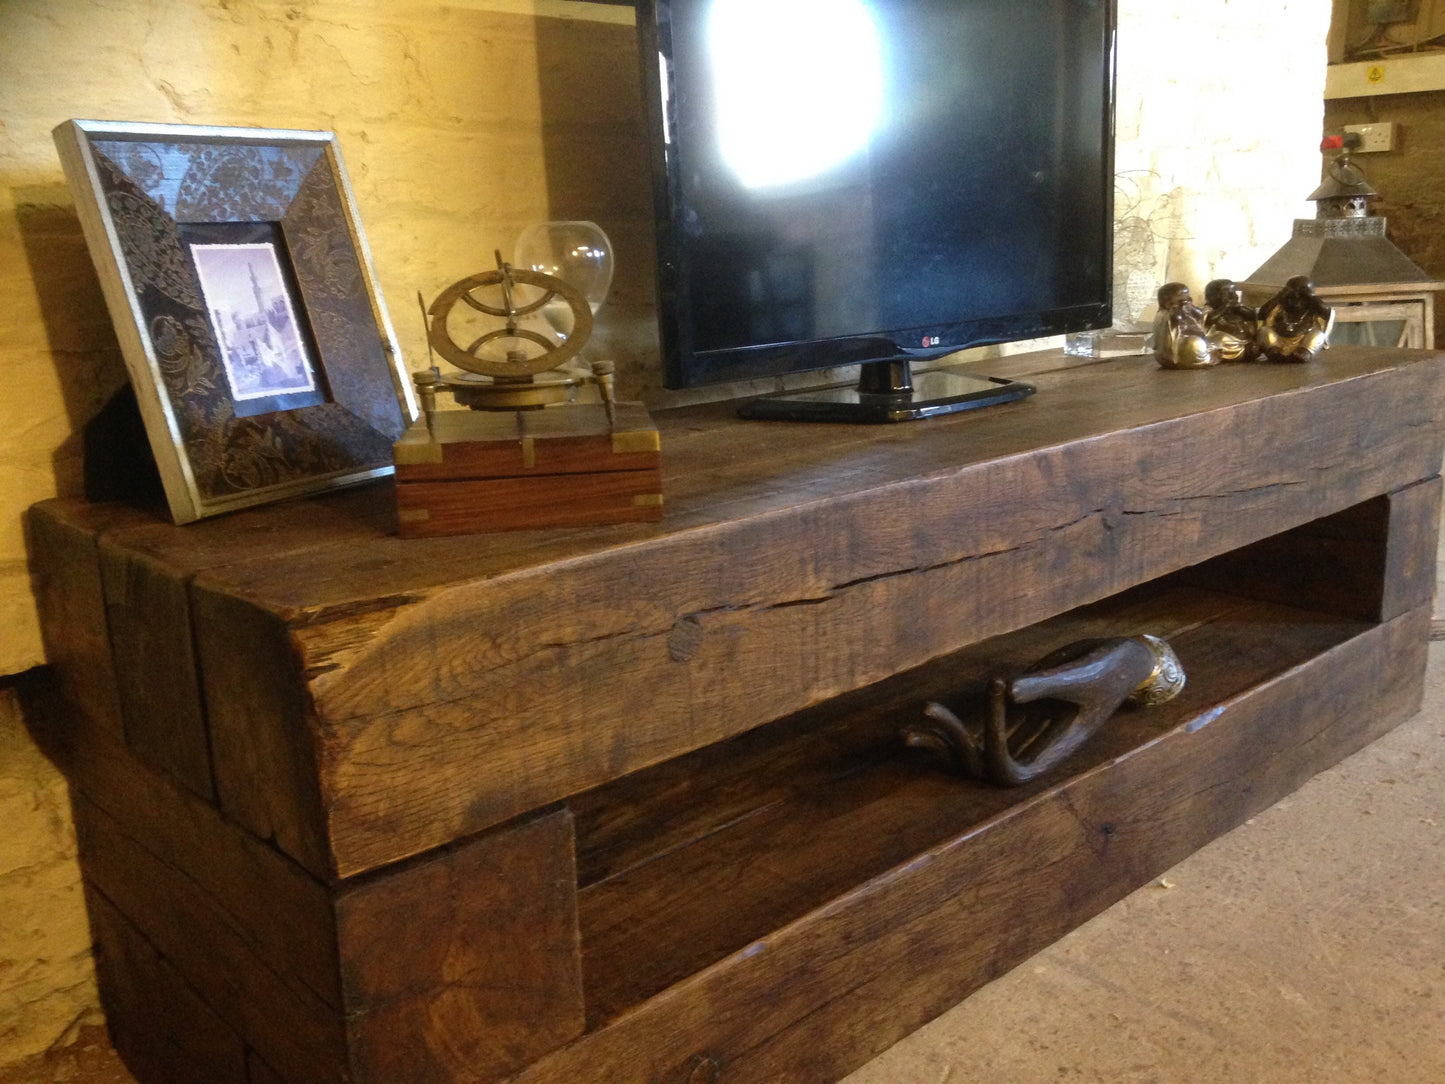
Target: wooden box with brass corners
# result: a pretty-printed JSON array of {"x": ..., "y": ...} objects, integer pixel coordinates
[
  {"x": 522, "y": 455},
  {"x": 507, "y": 470}
]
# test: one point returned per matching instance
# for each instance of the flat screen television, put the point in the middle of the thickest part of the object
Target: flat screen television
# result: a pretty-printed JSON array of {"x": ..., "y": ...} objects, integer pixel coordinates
[{"x": 878, "y": 182}]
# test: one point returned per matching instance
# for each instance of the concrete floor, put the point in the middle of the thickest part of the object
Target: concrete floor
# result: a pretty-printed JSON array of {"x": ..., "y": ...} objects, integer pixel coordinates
[{"x": 1306, "y": 946}]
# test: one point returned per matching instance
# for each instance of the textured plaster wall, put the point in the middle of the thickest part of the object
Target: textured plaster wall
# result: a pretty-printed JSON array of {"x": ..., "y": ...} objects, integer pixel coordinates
[
  {"x": 460, "y": 123},
  {"x": 1218, "y": 129}
]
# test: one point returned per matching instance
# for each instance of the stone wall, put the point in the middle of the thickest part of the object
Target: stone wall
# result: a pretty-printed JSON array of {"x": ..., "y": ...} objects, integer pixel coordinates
[
  {"x": 461, "y": 122},
  {"x": 1410, "y": 178},
  {"x": 47, "y": 984}
]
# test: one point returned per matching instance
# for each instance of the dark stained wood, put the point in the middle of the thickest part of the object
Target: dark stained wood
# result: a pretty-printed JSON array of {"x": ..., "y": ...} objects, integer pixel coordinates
[
  {"x": 1337, "y": 561},
  {"x": 148, "y": 610},
  {"x": 429, "y": 509},
  {"x": 828, "y": 1042},
  {"x": 65, "y": 570},
  {"x": 261, "y": 1073},
  {"x": 462, "y": 966},
  {"x": 1371, "y": 561},
  {"x": 252, "y": 933},
  {"x": 807, "y": 837},
  {"x": 126, "y": 653},
  {"x": 384, "y": 886},
  {"x": 262, "y": 746},
  {"x": 656, "y": 811},
  {"x": 498, "y": 647},
  {"x": 1409, "y": 577},
  {"x": 848, "y": 979},
  {"x": 290, "y": 1026},
  {"x": 460, "y": 962},
  {"x": 522, "y": 676},
  {"x": 159, "y": 1025},
  {"x": 468, "y": 966},
  {"x": 717, "y": 466},
  {"x": 281, "y": 914}
]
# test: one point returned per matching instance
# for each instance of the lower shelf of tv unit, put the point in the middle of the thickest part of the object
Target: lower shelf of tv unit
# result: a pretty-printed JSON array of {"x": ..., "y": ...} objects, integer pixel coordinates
[
  {"x": 818, "y": 872},
  {"x": 701, "y": 862}
]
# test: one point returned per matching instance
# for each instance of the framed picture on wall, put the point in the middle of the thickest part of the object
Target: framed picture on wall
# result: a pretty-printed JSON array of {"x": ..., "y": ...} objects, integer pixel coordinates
[{"x": 241, "y": 288}]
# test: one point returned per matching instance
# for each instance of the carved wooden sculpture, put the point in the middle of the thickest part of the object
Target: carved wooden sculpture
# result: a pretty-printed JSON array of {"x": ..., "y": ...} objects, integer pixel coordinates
[{"x": 1065, "y": 697}]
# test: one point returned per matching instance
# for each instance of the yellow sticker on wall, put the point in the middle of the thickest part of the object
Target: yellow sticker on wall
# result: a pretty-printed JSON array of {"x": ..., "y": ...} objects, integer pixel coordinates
[{"x": 1375, "y": 73}]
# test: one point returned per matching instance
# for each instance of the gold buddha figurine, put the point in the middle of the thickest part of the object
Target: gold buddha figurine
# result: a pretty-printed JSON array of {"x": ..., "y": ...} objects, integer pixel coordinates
[
  {"x": 1179, "y": 338},
  {"x": 1230, "y": 325},
  {"x": 1294, "y": 325}
]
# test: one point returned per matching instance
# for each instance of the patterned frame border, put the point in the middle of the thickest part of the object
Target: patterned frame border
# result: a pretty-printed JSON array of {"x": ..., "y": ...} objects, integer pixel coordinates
[{"x": 135, "y": 185}]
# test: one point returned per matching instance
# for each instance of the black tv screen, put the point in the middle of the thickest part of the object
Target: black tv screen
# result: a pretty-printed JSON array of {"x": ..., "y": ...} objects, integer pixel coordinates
[{"x": 843, "y": 181}]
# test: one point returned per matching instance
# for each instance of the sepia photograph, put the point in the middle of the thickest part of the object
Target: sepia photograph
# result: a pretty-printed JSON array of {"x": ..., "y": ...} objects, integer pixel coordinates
[{"x": 255, "y": 323}]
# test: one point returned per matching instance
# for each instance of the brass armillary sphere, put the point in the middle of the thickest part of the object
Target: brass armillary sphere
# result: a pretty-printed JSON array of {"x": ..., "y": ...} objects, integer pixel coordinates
[{"x": 522, "y": 375}]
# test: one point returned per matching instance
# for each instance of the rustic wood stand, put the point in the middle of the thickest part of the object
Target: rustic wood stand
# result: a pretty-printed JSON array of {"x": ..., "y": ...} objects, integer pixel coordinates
[{"x": 626, "y": 803}]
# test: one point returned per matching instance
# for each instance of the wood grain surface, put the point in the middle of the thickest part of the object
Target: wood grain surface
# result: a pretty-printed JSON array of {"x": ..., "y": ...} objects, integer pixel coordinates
[
  {"x": 148, "y": 611},
  {"x": 63, "y": 542},
  {"x": 627, "y": 803},
  {"x": 804, "y": 837},
  {"x": 586, "y": 670},
  {"x": 796, "y": 562},
  {"x": 466, "y": 961},
  {"x": 429, "y": 509},
  {"x": 825, "y": 991},
  {"x": 161, "y": 1027},
  {"x": 468, "y": 966}
]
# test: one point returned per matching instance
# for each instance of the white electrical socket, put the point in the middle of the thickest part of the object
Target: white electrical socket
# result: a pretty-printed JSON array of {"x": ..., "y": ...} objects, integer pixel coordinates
[{"x": 1374, "y": 137}]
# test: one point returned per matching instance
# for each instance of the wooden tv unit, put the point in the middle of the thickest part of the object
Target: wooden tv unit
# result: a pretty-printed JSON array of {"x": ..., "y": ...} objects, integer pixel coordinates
[{"x": 627, "y": 803}]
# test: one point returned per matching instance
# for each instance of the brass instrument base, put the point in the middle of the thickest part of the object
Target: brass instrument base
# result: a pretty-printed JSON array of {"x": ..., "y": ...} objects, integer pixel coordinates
[
  {"x": 476, "y": 471},
  {"x": 486, "y": 393}
]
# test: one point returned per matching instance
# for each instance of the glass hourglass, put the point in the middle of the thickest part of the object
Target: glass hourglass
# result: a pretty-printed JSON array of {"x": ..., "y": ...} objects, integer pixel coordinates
[{"x": 576, "y": 252}]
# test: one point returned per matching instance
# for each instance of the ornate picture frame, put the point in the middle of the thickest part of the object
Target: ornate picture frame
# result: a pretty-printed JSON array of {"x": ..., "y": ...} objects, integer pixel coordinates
[{"x": 241, "y": 289}]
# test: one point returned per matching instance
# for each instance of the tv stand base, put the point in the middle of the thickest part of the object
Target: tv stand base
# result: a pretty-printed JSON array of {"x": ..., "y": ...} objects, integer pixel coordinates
[{"x": 888, "y": 392}]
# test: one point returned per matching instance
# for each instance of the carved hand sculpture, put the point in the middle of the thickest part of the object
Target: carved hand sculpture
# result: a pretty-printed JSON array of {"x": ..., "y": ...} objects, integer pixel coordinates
[{"x": 1075, "y": 690}]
